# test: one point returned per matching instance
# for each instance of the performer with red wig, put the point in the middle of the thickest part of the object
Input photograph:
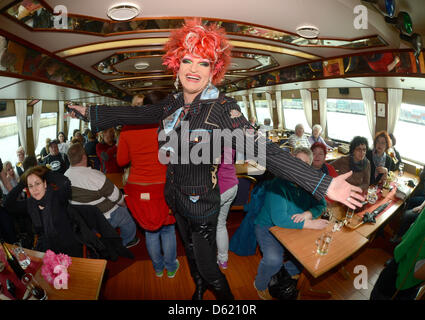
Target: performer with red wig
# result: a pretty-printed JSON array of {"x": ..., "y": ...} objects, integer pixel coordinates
[{"x": 199, "y": 55}]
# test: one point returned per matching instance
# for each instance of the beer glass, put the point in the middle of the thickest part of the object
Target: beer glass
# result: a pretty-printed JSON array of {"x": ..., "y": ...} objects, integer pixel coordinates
[{"x": 323, "y": 243}]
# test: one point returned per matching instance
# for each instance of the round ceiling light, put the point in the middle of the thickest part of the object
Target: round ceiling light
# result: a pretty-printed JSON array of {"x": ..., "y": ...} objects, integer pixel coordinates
[
  {"x": 141, "y": 65},
  {"x": 308, "y": 32},
  {"x": 123, "y": 11}
]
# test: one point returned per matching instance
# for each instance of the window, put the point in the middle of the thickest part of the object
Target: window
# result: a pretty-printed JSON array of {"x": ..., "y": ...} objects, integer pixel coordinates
[
  {"x": 263, "y": 112},
  {"x": 409, "y": 130},
  {"x": 243, "y": 107},
  {"x": 9, "y": 141},
  {"x": 347, "y": 119},
  {"x": 73, "y": 124},
  {"x": 47, "y": 130},
  {"x": 293, "y": 113}
]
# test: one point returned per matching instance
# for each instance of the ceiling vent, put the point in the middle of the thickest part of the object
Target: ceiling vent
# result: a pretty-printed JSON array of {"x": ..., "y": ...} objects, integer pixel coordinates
[
  {"x": 308, "y": 32},
  {"x": 123, "y": 11},
  {"x": 141, "y": 65}
]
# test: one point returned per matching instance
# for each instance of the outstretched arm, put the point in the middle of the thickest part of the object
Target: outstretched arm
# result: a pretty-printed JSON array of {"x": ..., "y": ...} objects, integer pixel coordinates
[
  {"x": 104, "y": 117},
  {"x": 282, "y": 164}
]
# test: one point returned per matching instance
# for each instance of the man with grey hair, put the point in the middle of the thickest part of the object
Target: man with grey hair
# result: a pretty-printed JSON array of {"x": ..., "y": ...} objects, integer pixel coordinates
[{"x": 298, "y": 139}]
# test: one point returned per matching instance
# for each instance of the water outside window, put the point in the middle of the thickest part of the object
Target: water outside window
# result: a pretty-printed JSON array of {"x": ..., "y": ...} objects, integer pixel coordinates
[
  {"x": 347, "y": 119},
  {"x": 263, "y": 112},
  {"x": 293, "y": 113},
  {"x": 409, "y": 131}
]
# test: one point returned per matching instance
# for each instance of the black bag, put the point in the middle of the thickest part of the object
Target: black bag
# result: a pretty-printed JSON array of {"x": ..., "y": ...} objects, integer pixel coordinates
[{"x": 282, "y": 286}]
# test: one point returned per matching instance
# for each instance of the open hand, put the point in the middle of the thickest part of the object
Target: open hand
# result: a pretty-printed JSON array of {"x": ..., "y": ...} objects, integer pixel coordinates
[{"x": 341, "y": 191}]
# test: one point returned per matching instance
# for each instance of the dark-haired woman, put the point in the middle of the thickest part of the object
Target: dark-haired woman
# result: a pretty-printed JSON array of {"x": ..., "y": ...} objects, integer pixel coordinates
[
  {"x": 380, "y": 162},
  {"x": 357, "y": 162}
]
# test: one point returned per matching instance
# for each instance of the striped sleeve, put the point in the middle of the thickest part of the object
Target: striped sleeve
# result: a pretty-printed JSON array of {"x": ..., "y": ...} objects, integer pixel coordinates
[
  {"x": 111, "y": 192},
  {"x": 279, "y": 162},
  {"x": 104, "y": 117}
]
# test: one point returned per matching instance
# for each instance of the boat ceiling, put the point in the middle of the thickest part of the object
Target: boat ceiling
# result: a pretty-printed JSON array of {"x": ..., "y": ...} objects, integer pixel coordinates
[{"x": 254, "y": 50}]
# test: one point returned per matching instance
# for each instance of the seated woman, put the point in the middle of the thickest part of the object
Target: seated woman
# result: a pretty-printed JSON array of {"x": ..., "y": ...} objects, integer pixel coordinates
[
  {"x": 402, "y": 277},
  {"x": 61, "y": 227},
  {"x": 47, "y": 207},
  {"x": 356, "y": 162},
  {"x": 298, "y": 139},
  {"x": 319, "y": 159},
  {"x": 288, "y": 206},
  {"x": 315, "y": 136},
  {"x": 380, "y": 162}
]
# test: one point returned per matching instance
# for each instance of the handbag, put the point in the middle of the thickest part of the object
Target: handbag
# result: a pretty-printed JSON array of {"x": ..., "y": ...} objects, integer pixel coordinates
[
  {"x": 403, "y": 191},
  {"x": 282, "y": 286}
]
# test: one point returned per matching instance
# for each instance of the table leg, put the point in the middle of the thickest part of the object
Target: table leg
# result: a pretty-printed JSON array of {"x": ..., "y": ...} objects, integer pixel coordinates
[{"x": 304, "y": 288}]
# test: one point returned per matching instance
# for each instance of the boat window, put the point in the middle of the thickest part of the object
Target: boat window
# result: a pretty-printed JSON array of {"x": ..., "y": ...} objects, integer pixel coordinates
[
  {"x": 73, "y": 124},
  {"x": 409, "y": 130},
  {"x": 243, "y": 107},
  {"x": 263, "y": 112},
  {"x": 9, "y": 139},
  {"x": 293, "y": 113},
  {"x": 47, "y": 130},
  {"x": 347, "y": 119}
]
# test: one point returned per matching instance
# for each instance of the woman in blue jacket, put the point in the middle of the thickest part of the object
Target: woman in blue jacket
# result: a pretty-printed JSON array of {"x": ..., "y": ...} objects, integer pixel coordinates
[{"x": 288, "y": 206}]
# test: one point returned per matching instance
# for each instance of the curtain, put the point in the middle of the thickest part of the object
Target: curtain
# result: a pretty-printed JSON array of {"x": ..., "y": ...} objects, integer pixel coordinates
[
  {"x": 36, "y": 121},
  {"x": 61, "y": 114},
  {"x": 270, "y": 105},
  {"x": 306, "y": 98},
  {"x": 323, "y": 105},
  {"x": 21, "y": 117},
  {"x": 252, "y": 106},
  {"x": 280, "y": 109},
  {"x": 369, "y": 106},
  {"x": 394, "y": 106},
  {"x": 245, "y": 103}
]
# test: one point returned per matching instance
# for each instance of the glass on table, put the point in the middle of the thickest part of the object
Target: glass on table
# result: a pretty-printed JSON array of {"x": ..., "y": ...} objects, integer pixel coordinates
[
  {"x": 323, "y": 243},
  {"x": 401, "y": 169},
  {"x": 20, "y": 254}
]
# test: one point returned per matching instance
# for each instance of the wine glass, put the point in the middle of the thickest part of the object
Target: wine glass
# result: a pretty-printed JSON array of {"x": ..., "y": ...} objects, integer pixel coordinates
[{"x": 401, "y": 169}]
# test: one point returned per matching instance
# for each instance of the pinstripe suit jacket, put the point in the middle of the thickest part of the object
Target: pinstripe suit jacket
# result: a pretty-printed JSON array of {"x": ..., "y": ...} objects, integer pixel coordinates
[{"x": 191, "y": 187}]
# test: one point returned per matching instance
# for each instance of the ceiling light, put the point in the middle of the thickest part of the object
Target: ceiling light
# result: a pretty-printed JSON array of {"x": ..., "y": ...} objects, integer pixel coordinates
[
  {"x": 141, "y": 65},
  {"x": 123, "y": 11},
  {"x": 308, "y": 32}
]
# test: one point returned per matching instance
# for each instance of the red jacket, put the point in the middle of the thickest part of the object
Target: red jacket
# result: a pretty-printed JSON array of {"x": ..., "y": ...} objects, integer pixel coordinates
[
  {"x": 138, "y": 145},
  {"x": 108, "y": 158}
]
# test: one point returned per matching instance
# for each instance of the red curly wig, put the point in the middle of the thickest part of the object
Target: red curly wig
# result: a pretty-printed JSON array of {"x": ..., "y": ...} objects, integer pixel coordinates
[{"x": 203, "y": 41}]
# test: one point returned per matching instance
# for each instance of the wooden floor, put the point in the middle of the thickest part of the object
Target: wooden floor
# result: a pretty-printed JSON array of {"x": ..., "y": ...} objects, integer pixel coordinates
[{"x": 136, "y": 280}]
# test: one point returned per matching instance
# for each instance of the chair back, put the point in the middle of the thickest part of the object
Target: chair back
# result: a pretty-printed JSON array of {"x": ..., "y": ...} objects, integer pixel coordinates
[
  {"x": 93, "y": 162},
  {"x": 243, "y": 196}
]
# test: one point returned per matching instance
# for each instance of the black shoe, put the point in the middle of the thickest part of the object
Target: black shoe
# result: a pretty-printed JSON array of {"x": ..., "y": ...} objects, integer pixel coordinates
[
  {"x": 201, "y": 287},
  {"x": 133, "y": 243},
  {"x": 222, "y": 290}
]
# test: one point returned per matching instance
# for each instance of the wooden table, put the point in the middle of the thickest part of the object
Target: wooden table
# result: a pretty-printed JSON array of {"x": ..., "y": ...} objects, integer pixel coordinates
[
  {"x": 302, "y": 245},
  {"x": 333, "y": 155},
  {"x": 248, "y": 169},
  {"x": 84, "y": 282}
]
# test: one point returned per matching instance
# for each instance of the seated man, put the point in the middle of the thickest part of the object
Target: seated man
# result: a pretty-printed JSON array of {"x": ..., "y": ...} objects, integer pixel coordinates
[
  {"x": 91, "y": 187},
  {"x": 298, "y": 139},
  {"x": 288, "y": 206},
  {"x": 56, "y": 161}
]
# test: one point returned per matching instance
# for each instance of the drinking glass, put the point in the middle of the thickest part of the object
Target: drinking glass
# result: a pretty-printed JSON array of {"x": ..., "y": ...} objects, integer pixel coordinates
[
  {"x": 323, "y": 243},
  {"x": 401, "y": 169},
  {"x": 20, "y": 254},
  {"x": 372, "y": 195},
  {"x": 34, "y": 290}
]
